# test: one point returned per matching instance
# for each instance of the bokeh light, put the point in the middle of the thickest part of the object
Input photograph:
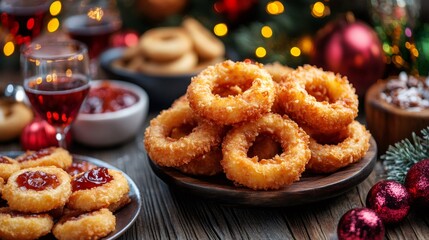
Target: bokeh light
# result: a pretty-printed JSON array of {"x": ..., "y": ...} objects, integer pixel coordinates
[
  {"x": 295, "y": 51},
  {"x": 260, "y": 52},
  {"x": 275, "y": 8},
  {"x": 266, "y": 32},
  {"x": 318, "y": 9},
  {"x": 8, "y": 49},
  {"x": 55, "y": 8},
  {"x": 53, "y": 25},
  {"x": 220, "y": 29}
]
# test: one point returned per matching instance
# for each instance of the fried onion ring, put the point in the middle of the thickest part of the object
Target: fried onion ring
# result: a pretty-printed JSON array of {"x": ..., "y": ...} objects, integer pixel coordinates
[
  {"x": 319, "y": 99},
  {"x": 92, "y": 225},
  {"x": 16, "y": 225},
  {"x": 265, "y": 174},
  {"x": 277, "y": 71},
  {"x": 183, "y": 64},
  {"x": 206, "y": 165},
  {"x": 207, "y": 45},
  {"x": 170, "y": 152},
  {"x": 256, "y": 84},
  {"x": 165, "y": 43},
  {"x": 327, "y": 158},
  {"x": 38, "y": 189}
]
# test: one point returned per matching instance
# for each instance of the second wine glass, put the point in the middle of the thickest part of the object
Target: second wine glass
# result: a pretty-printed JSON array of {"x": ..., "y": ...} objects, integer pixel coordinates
[
  {"x": 92, "y": 22},
  {"x": 56, "y": 81}
]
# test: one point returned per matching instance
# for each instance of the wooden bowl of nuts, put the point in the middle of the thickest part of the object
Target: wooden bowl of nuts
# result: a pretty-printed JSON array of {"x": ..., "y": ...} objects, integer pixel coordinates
[{"x": 397, "y": 107}]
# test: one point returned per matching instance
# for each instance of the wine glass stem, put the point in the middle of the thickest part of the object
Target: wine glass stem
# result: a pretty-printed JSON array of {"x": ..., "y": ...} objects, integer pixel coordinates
[{"x": 61, "y": 136}]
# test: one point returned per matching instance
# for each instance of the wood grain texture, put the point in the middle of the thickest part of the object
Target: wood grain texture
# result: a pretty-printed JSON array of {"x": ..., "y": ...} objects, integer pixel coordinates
[{"x": 169, "y": 215}]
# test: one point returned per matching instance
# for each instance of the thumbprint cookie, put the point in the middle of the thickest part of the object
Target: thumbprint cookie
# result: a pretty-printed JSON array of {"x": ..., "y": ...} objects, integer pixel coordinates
[
  {"x": 79, "y": 167},
  {"x": 1, "y": 185},
  {"x": 97, "y": 188},
  {"x": 37, "y": 189},
  {"x": 90, "y": 225},
  {"x": 17, "y": 225},
  {"x": 52, "y": 156},
  {"x": 7, "y": 167}
]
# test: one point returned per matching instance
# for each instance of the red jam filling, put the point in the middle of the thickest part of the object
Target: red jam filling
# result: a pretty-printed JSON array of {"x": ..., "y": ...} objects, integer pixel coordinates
[
  {"x": 37, "y": 180},
  {"x": 91, "y": 179},
  {"x": 78, "y": 167},
  {"x": 107, "y": 98},
  {"x": 4, "y": 160},
  {"x": 35, "y": 155}
]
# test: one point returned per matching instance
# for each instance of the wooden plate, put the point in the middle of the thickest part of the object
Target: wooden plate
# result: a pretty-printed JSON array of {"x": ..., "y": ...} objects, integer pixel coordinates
[{"x": 310, "y": 188}]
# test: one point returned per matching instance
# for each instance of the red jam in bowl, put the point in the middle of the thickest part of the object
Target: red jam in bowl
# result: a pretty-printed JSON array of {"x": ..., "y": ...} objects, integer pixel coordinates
[{"x": 107, "y": 97}]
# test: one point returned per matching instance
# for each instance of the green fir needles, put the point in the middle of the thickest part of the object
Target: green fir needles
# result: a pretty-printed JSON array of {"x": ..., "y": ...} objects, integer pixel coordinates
[{"x": 402, "y": 155}]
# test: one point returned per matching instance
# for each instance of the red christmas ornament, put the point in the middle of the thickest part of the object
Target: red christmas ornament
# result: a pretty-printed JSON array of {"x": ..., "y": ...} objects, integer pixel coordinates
[
  {"x": 236, "y": 11},
  {"x": 39, "y": 134},
  {"x": 360, "y": 224},
  {"x": 417, "y": 184},
  {"x": 390, "y": 200},
  {"x": 352, "y": 49}
]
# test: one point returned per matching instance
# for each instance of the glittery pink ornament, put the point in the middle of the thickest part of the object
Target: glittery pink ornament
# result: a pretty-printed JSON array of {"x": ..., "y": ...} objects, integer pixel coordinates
[
  {"x": 351, "y": 48},
  {"x": 360, "y": 224},
  {"x": 417, "y": 184},
  {"x": 390, "y": 200}
]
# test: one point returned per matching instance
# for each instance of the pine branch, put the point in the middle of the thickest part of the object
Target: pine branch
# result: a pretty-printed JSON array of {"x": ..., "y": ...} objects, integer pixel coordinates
[{"x": 399, "y": 158}]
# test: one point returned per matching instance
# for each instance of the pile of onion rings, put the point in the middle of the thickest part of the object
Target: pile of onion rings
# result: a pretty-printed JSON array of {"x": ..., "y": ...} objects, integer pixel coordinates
[{"x": 260, "y": 126}]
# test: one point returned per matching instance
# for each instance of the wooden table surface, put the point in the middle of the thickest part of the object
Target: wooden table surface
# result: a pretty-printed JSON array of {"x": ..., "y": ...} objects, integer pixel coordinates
[{"x": 169, "y": 215}]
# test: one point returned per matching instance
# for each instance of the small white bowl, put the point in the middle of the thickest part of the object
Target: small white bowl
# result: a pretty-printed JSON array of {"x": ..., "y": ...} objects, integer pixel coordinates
[{"x": 112, "y": 128}]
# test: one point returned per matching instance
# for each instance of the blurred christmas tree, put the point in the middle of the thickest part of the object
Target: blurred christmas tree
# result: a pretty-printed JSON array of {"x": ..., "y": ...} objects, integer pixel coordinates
[{"x": 263, "y": 30}]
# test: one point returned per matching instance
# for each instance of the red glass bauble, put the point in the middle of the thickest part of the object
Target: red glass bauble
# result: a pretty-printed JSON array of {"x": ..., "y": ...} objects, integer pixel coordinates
[
  {"x": 417, "y": 184},
  {"x": 39, "y": 134},
  {"x": 390, "y": 200},
  {"x": 350, "y": 48},
  {"x": 237, "y": 11},
  {"x": 159, "y": 10},
  {"x": 360, "y": 223}
]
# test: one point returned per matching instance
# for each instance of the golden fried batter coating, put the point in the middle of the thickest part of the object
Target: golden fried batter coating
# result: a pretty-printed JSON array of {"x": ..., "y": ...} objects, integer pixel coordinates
[
  {"x": 52, "y": 156},
  {"x": 318, "y": 99},
  {"x": 327, "y": 158},
  {"x": 7, "y": 167},
  {"x": 101, "y": 196},
  {"x": 92, "y": 225},
  {"x": 38, "y": 189},
  {"x": 171, "y": 152},
  {"x": 277, "y": 71},
  {"x": 263, "y": 174},
  {"x": 206, "y": 165},
  {"x": 256, "y": 97},
  {"x": 15, "y": 225}
]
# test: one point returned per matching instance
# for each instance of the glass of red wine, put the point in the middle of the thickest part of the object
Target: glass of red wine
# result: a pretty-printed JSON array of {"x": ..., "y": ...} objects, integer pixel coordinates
[
  {"x": 56, "y": 81},
  {"x": 92, "y": 22},
  {"x": 24, "y": 19}
]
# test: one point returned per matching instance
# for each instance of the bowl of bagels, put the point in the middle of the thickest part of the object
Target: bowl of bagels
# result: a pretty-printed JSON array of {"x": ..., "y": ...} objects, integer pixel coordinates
[{"x": 165, "y": 59}]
